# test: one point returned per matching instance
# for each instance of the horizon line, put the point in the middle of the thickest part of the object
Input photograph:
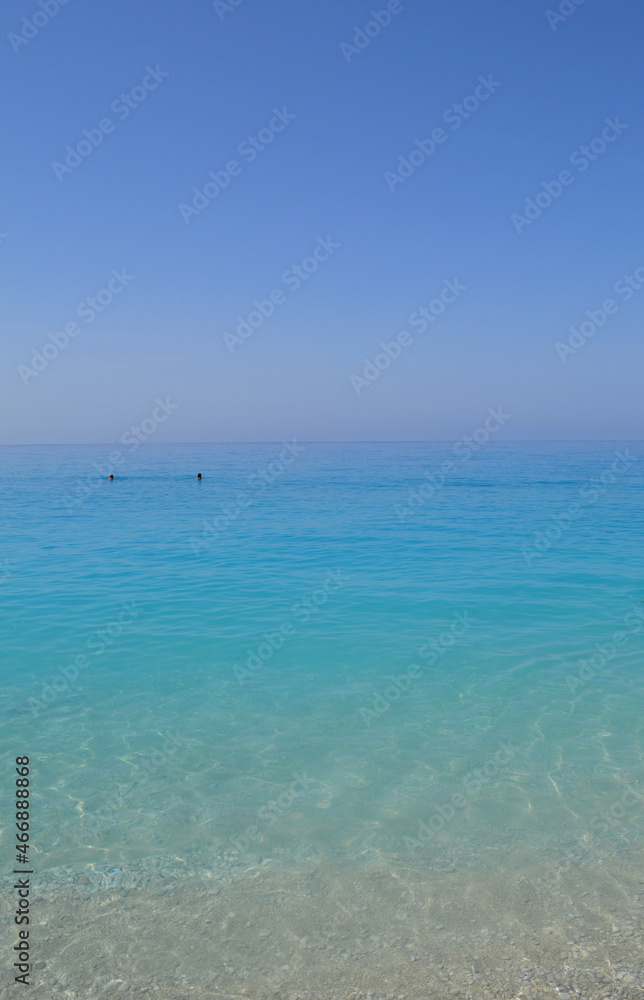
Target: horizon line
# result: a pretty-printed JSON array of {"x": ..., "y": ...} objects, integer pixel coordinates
[{"x": 161, "y": 444}]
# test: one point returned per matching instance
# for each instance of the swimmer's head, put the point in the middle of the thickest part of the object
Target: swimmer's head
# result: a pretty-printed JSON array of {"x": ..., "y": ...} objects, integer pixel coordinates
[
  {"x": 199, "y": 476},
  {"x": 110, "y": 477}
]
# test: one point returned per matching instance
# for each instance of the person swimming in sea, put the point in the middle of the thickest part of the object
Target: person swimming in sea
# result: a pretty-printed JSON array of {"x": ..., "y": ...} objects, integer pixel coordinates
[
  {"x": 198, "y": 475},
  {"x": 110, "y": 477}
]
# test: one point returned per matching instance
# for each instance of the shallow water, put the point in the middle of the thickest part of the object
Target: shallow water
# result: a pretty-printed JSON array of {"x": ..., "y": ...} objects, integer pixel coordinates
[{"x": 403, "y": 727}]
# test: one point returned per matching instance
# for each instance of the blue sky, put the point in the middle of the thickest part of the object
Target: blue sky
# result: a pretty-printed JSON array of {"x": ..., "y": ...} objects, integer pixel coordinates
[{"x": 347, "y": 116}]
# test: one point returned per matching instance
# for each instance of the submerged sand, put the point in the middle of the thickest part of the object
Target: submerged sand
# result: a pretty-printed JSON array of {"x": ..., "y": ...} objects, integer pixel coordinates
[{"x": 447, "y": 927}]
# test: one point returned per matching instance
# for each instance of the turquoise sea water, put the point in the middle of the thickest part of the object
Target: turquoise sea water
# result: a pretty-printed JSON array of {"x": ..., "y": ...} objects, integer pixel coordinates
[{"x": 383, "y": 658}]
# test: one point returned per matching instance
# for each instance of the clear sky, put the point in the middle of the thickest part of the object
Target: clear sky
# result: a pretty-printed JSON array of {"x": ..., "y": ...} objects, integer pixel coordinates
[{"x": 500, "y": 95}]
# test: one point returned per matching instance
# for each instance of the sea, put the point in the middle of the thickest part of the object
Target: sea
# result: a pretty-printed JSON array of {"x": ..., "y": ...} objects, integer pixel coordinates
[{"x": 334, "y": 720}]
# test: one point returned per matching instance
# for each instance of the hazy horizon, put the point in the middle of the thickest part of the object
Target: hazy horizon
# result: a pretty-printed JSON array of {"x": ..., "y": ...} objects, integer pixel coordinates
[{"x": 305, "y": 441}]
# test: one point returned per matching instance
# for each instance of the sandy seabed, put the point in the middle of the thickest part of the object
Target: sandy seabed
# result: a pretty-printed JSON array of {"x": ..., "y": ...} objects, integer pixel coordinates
[{"x": 508, "y": 927}]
